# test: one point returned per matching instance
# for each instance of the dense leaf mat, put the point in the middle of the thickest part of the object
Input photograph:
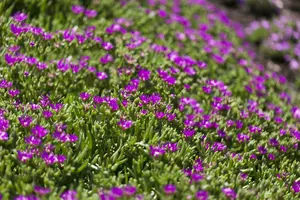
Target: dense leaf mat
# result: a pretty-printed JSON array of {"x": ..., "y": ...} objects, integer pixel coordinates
[{"x": 139, "y": 100}]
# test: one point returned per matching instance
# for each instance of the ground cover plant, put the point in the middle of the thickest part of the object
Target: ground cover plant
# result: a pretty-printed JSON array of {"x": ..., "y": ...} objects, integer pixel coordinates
[{"x": 139, "y": 100}]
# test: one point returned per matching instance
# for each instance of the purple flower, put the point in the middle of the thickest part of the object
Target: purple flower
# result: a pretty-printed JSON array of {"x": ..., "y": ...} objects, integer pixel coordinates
[
  {"x": 170, "y": 80},
  {"x": 32, "y": 140},
  {"x": 13, "y": 93},
  {"x": 198, "y": 166},
  {"x": 218, "y": 146},
  {"x": 16, "y": 30},
  {"x": 144, "y": 74},
  {"x": 107, "y": 46},
  {"x": 271, "y": 156},
  {"x": 201, "y": 195},
  {"x": 283, "y": 148},
  {"x": 113, "y": 103},
  {"x": 243, "y": 176},
  {"x": 25, "y": 120},
  {"x": 229, "y": 192},
  {"x": 51, "y": 158},
  {"x": 262, "y": 150},
  {"x": 196, "y": 177},
  {"x": 84, "y": 96},
  {"x": 3, "y": 136},
  {"x": 47, "y": 114},
  {"x": 56, "y": 107},
  {"x": 64, "y": 137},
  {"x": 19, "y": 17},
  {"x": 157, "y": 151},
  {"x": 243, "y": 137},
  {"x": 296, "y": 186},
  {"x": 125, "y": 124},
  {"x": 4, "y": 124},
  {"x": 189, "y": 132},
  {"x": 219, "y": 59},
  {"x": 169, "y": 189},
  {"x": 101, "y": 75},
  {"x": 90, "y": 13},
  {"x": 24, "y": 155},
  {"x": 253, "y": 156},
  {"x": 41, "y": 190},
  {"x": 5, "y": 84},
  {"x": 239, "y": 124},
  {"x": 170, "y": 116},
  {"x": 129, "y": 190},
  {"x": 274, "y": 142},
  {"x": 76, "y": 9},
  {"x": 159, "y": 115},
  {"x": 106, "y": 59},
  {"x": 39, "y": 131},
  {"x": 116, "y": 192},
  {"x": 69, "y": 195}
]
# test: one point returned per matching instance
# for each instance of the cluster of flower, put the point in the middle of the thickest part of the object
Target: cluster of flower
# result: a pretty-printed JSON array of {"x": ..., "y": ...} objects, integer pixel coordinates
[{"x": 189, "y": 76}]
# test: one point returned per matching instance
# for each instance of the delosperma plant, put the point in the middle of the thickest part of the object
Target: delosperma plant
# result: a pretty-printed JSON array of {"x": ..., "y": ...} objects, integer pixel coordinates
[{"x": 140, "y": 100}]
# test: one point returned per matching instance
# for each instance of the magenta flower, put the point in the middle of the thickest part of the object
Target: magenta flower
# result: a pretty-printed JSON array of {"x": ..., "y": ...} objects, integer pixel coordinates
[
  {"x": 56, "y": 107},
  {"x": 90, "y": 13},
  {"x": 69, "y": 195},
  {"x": 5, "y": 84},
  {"x": 19, "y": 17},
  {"x": 106, "y": 59},
  {"x": 84, "y": 96},
  {"x": 3, "y": 136},
  {"x": 296, "y": 186},
  {"x": 116, "y": 192},
  {"x": 10, "y": 60},
  {"x": 32, "y": 140},
  {"x": 144, "y": 74},
  {"x": 253, "y": 156},
  {"x": 169, "y": 189},
  {"x": 77, "y": 9},
  {"x": 51, "y": 158},
  {"x": 13, "y": 93},
  {"x": 4, "y": 124},
  {"x": 125, "y": 124},
  {"x": 157, "y": 151},
  {"x": 229, "y": 192},
  {"x": 16, "y": 30},
  {"x": 107, "y": 46},
  {"x": 271, "y": 156},
  {"x": 47, "y": 114},
  {"x": 113, "y": 103},
  {"x": 39, "y": 131},
  {"x": 25, "y": 120},
  {"x": 218, "y": 146},
  {"x": 41, "y": 190},
  {"x": 129, "y": 190},
  {"x": 101, "y": 75},
  {"x": 170, "y": 116},
  {"x": 24, "y": 155},
  {"x": 243, "y": 176},
  {"x": 262, "y": 150},
  {"x": 243, "y": 137},
  {"x": 196, "y": 177},
  {"x": 115, "y": 28},
  {"x": 274, "y": 142},
  {"x": 159, "y": 115},
  {"x": 64, "y": 137},
  {"x": 189, "y": 132},
  {"x": 201, "y": 195}
]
